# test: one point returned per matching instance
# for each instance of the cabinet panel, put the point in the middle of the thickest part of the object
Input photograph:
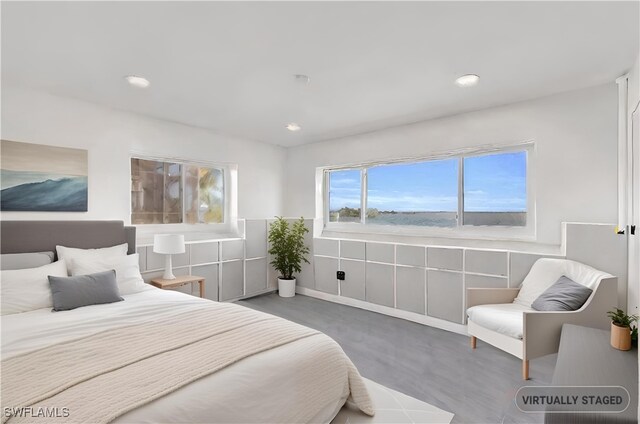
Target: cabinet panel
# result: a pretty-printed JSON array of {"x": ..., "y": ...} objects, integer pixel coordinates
[
  {"x": 256, "y": 277},
  {"x": 379, "y": 284},
  {"x": 380, "y": 252},
  {"x": 519, "y": 266},
  {"x": 325, "y": 247},
  {"x": 305, "y": 278},
  {"x": 142, "y": 258},
  {"x": 486, "y": 262},
  {"x": 353, "y": 285},
  {"x": 411, "y": 289},
  {"x": 202, "y": 253},
  {"x": 352, "y": 249},
  {"x": 444, "y": 295},
  {"x": 210, "y": 274},
  {"x": 256, "y": 238},
  {"x": 410, "y": 255},
  {"x": 325, "y": 271},
  {"x": 442, "y": 258},
  {"x": 483, "y": 281},
  {"x": 232, "y": 284},
  {"x": 232, "y": 249}
]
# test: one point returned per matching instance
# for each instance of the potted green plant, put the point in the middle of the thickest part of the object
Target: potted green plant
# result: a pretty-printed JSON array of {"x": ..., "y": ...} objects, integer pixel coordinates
[
  {"x": 288, "y": 251},
  {"x": 621, "y": 328}
]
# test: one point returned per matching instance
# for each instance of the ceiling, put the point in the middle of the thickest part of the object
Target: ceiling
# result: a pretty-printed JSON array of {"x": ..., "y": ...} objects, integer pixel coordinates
[{"x": 229, "y": 66}]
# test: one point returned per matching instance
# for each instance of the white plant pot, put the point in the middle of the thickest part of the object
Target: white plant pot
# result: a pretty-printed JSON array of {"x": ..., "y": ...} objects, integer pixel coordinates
[{"x": 286, "y": 288}]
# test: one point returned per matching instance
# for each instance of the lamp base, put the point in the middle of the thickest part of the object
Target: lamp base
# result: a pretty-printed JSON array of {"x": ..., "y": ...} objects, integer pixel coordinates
[
  {"x": 168, "y": 269},
  {"x": 168, "y": 275}
]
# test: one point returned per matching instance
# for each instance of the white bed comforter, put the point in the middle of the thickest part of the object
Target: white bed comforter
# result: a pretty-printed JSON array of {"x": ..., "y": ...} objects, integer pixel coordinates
[{"x": 255, "y": 389}]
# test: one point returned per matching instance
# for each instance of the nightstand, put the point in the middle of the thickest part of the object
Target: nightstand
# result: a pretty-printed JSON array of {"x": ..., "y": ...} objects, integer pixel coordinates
[{"x": 179, "y": 281}]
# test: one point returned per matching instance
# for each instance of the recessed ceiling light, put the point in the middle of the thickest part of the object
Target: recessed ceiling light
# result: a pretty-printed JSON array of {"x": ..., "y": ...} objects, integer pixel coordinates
[
  {"x": 468, "y": 80},
  {"x": 137, "y": 81},
  {"x": 293, "y": 127}
]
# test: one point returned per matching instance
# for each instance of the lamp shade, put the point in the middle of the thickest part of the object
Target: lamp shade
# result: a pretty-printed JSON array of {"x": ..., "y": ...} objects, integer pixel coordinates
[{"x": 168, "y": 244}]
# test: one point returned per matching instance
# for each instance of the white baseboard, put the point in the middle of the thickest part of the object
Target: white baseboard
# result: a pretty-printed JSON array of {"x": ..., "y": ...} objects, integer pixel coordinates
[
  {"x": 385, "y": 310},
  {"x": 268, "y": 290}
]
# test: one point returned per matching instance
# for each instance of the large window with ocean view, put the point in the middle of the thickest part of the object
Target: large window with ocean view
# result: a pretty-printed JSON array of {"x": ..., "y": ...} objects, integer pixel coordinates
[
  {"x": 420, "y": 193},
  {"x": 495, "y": 189},
  {"x": 345, "y": 195},
  {"x": 484, "y": 188}
]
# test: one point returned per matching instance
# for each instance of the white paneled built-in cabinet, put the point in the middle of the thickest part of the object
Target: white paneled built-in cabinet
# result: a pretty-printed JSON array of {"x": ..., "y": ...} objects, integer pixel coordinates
[
  {"x": 429, "y": 282},
  {"x": 418, "y": 282},
  {"x": 232, "y": 268}
]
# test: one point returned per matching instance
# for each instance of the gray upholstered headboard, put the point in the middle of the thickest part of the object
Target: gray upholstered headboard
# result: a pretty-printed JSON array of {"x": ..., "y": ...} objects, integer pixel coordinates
[{"x": 41, "y": 236}]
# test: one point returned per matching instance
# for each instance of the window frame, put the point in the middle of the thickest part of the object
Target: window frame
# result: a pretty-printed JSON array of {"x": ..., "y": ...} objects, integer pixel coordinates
[
  {"x": 229, "y": 225},
  {"x": 525, "y": 233}
]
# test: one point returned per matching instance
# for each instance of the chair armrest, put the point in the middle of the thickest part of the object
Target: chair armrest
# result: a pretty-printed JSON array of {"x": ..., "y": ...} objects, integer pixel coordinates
[
  {"x": 542, "y": 329},
  {"x": 490, "y": 296}
]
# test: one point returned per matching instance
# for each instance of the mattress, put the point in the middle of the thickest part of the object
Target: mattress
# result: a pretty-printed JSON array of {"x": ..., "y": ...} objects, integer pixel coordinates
[
  {"x": 251, "y": 390},
  {"x": 504, "y": 318}
]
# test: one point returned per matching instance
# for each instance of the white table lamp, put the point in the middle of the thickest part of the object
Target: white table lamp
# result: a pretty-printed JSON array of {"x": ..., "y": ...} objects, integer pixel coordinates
[{"x": 168, "y": 244}]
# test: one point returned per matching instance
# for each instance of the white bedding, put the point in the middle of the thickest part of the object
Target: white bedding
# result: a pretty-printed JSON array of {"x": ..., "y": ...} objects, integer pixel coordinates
[{"x": 244, "y": 392}]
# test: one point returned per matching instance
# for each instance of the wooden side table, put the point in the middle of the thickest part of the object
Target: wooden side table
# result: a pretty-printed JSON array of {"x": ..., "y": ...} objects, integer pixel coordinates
[{"x": 179, "y": 281}]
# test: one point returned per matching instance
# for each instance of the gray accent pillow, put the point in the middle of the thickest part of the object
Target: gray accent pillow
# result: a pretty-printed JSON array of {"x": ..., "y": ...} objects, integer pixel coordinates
[
  {"x": 84, "y": 290},
  {"x": 564, "y": 295},
  {"x": 9, "y": 261}
]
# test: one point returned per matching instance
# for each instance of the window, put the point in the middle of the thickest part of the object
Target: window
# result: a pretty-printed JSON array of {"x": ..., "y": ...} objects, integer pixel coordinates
[
  {"x": 173, "y": 193},
  {"x": 345, "y": 194},
  {"x": 422, "y": 193},
  {"x": 478, "y": 189},
  {"x": 495, "y": 189}
]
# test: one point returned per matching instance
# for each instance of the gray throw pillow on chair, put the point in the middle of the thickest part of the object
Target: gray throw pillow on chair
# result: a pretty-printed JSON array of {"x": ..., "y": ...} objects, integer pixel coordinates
[
  {"x": 564, "y": 295},
  {"x": 84, "y": 290}
]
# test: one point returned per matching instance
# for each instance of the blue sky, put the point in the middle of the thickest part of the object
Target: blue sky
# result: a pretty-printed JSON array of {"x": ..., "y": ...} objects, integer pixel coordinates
[
  {"x": 493, "y": 183},
  {"x": 496, "y": 183}
]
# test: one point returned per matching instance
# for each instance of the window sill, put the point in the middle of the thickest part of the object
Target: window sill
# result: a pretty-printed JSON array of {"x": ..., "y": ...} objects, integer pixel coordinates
[
  {"x": 480, "y": 232},
  {"x": 523, "y": 244},
  {"x": 192, "y": 233}
]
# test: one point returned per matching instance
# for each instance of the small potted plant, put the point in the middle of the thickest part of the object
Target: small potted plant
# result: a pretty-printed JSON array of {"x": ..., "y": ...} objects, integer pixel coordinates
[
  {"x": 621, "y": 328},
  {"x": 288, "y": 251}
]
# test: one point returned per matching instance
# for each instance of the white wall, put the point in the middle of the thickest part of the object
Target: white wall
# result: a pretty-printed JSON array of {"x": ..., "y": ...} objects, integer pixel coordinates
[
  {"x": 575, "y": 136},
  {"x": 634, "y": 85},
  {"x": 110, "y": 136},
  {"x": 633, "y": 99},
  {"x": 576, "y": 157}
]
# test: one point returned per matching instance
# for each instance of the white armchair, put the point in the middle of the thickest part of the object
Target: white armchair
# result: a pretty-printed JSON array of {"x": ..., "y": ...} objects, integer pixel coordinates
[{"x": 504, "y": 317}]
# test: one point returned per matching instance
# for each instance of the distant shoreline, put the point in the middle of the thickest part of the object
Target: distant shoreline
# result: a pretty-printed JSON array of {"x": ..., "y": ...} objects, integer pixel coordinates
[{"x": 436, "y": 218}]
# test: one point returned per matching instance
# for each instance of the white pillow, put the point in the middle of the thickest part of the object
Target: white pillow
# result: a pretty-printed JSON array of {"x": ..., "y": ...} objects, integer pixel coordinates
[
  {"x": 127, "y": 271},
  {"x": 546, "y": 271},
  {"x": 71, "y": 253},
  {"x": 28, "y": 289}
]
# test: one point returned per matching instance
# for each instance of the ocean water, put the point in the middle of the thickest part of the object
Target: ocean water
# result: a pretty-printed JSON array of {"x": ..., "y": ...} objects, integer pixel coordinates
[
  {"x": 427, "y": 219},
  {"x": 446, "y": 219}
]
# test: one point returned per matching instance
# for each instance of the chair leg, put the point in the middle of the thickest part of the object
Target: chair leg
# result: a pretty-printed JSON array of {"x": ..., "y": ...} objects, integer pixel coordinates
[
  {"x": 525, "y": 369},
  {"x": 473, "y": 342}
]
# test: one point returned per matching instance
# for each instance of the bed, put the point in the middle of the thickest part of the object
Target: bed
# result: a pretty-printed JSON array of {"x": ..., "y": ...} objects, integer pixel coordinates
[{"x": 163, "y": 356}]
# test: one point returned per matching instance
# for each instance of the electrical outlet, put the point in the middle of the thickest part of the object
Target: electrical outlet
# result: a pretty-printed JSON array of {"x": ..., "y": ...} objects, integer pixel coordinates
[{"x": 340, "y": 275}]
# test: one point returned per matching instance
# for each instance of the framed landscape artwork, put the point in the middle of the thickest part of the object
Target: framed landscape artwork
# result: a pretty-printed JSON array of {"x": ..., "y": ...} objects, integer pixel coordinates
[{"x": 37, "y": 178}]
